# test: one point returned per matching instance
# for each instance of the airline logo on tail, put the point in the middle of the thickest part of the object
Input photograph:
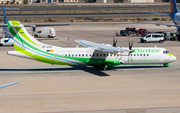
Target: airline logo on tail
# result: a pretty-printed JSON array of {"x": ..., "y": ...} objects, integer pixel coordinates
[{"x": 173, "y": 5}]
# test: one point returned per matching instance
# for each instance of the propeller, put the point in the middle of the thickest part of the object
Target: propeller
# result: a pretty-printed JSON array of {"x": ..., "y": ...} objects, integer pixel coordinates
[
  {"x": 114, "y": 42},
  {"x": 130, "y": 47}
]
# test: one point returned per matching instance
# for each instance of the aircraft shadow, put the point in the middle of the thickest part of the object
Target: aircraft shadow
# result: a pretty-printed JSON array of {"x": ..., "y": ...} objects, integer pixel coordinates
[
  {"x": 135, "y": 67},
  {"x": 83, "y": 68},
  {"x": 91, "y": 70}
]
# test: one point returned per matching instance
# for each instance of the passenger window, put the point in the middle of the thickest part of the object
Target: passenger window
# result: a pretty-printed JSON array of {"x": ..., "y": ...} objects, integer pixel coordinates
[
  {"x": 87, "y": 55},
  {"x": 82, "y": 55},
  {"x": 93, "y": 54},
  {"x": 104, "y": 54},
  {"x": 76, "y": 55},
  {"x": 72, "y": 55},
  {"x": 147, "y": 54},
  {"x": 79, "y": 55},
  {"x": 134, "y": 54},
  {"x": 140, "y": 54},
  {"x": 144, "y": 54},
  {"x": 66, "y": 55},
  {"x": 97, "y": 55},
  {"x": 137, "y": 54},
  {"x": 131, "y": 54},
  {"x": 100, "y": 55},
  {"x": 69, "y": 55}
]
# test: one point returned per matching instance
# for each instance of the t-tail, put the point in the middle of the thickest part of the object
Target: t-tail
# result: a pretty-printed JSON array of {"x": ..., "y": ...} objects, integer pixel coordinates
[
  {"x": 174, "y": 8},
  {"x": 27, "y": 46}
]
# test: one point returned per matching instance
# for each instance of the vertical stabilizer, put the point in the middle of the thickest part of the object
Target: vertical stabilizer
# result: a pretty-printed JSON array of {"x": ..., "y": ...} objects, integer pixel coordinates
[
  {"x": 173, "y": 5},
  {"x": 22, "y": 39},
  {"x": 5, "y": 18}
]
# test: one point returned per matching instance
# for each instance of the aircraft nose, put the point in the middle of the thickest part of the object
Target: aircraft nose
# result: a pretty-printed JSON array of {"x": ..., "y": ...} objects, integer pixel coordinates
[{"x": 174, "y": 58}]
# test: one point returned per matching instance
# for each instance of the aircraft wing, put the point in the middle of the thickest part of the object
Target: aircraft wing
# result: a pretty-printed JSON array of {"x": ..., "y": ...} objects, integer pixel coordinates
[
  {"x": 159, "y": 13},
  {"x": 39, "y": 25},
  {"x": 157, "y": 24},
  {"x": 102, "y": 47},
  {"x": 8, "y": 84},
  {"x": 42, "y": 25}
]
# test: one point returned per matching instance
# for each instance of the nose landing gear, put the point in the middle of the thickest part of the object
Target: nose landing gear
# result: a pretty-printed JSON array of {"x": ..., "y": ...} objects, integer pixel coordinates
[{"x": 166, "y": 65}]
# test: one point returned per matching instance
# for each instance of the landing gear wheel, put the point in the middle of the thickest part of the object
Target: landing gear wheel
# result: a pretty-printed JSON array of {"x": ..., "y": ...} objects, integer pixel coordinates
[
  {"x": 166, "y": 65},
  {"x": 160, "y": 41},
  {"x": 104, "y": 68}
]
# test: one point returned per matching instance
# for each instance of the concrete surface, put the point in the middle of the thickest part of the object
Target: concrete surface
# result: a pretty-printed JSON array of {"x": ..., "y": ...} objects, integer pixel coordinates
[{"x": 44, "y": 88}]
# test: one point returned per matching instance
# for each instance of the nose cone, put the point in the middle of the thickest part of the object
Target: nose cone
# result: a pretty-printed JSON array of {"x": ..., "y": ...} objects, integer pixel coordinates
[{"x": 173, "y": 58}]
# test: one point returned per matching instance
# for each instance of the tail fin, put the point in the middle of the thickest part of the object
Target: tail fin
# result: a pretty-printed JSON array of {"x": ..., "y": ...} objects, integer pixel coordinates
[
  {"x": 22, "y": 39},
  {"x": 5, "y": 18},
  {"x": 173, "y": 5}
]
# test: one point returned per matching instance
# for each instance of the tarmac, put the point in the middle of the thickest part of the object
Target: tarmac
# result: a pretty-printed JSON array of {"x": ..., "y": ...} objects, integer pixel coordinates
[{"x": 46, "y": 88}]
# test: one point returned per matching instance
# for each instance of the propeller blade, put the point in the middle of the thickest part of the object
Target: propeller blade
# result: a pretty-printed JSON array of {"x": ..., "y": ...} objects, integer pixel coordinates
[
  {"x": 114, "y": 42},
  {"x": 131, "y": 45}
]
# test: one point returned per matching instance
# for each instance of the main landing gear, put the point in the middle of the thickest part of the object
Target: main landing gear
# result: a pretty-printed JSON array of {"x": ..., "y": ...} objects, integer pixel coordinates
[
  {"x": 166, "y": 65},
  {"x": 103, "y": 67}
]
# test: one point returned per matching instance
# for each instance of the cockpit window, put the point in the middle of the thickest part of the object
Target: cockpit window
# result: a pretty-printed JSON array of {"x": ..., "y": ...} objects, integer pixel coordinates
[{"x": 166, "y": 52}]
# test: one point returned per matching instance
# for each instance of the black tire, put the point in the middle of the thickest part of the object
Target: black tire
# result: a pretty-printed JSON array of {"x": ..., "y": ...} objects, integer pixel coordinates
[
  {"x": 144, "y": 41},
  {"x": 103, "y": 68},
  {"x": 1, "y": 44},
  {"x": 49, "y": 36},
  {"x": 174, "y": 39},
  {"x": 160, "y": 41},
  {"x": 36, "y": 36}
]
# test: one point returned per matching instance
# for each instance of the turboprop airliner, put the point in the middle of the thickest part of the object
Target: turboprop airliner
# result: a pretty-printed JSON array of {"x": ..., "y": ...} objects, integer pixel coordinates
[
  {"x": 175, "y": 17},
  {"x": 92, "y": 54}
]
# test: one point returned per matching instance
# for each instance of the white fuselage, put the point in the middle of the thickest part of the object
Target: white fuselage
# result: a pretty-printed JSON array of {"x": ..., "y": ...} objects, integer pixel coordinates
[{"x": 149, "y": 55}]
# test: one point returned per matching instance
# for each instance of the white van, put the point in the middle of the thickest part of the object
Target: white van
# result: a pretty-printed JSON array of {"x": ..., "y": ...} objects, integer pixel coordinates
[
  {"x": 45, "y": 32},
  {"x": 6, "y": 42},
  {"x": 153, "y": 38}
]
